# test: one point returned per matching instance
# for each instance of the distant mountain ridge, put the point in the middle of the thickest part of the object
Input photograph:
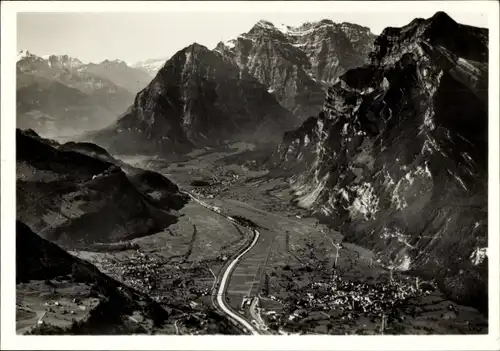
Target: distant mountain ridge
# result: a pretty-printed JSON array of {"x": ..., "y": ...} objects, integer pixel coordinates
[
  {"x": 150, "y": 66},
  {"x": 205, "y": 97},
  {"x": 115, "y": 71},
  {"x": 296, "y": 64},
  {"x": 59, "y": 95}
]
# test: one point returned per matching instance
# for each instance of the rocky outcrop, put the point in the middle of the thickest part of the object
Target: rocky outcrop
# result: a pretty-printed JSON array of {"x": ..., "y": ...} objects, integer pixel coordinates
[
  {"x": 198, "y": 98},
  {"x": 297, "y": 63},
  {"x": 297, "y": 148},
  {"x": 398, "y": 158},
  {"x": 75, "y": 195}
]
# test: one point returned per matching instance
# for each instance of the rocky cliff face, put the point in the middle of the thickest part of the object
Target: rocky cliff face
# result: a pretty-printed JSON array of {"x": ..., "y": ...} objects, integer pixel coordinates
[
  {"x": 73, "y": 194},
  {"x": 297, "y": 63},
  {"x": 198, "y": 98},
  {"x": 398, "y": 157}
]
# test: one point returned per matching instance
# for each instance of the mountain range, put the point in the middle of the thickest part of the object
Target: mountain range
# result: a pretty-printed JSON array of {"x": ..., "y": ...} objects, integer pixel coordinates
[
  {"x": 397, "y": 159},
  {"x": 297, "y": 63},
  {"x": 294, "y": 63},
  {"x": 198, "y": 98},
  {"x": 383, "y": 138},
  {"x": 60, "y": 95},
  {"x": 250, "y": 88}
]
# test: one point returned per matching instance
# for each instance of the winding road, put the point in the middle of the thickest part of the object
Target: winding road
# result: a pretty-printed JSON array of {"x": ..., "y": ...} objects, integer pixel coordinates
[{"x": 227, "y": 271}]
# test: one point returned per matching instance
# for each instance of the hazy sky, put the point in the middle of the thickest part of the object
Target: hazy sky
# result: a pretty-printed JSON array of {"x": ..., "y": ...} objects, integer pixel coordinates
[{"x": 138, "y": 36}]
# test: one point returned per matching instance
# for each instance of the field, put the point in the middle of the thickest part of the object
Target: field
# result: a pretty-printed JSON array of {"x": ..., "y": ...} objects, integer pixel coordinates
[
  {"x": 58, "y": 304},
  {"x": 176, "y": 267},
  {"x": 247, "y": 276},
  {"x": 199, "y": 238}
]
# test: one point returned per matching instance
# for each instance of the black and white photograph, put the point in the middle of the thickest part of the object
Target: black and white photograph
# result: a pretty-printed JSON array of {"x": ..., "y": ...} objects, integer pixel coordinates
[{"x": 279, "y": 169}]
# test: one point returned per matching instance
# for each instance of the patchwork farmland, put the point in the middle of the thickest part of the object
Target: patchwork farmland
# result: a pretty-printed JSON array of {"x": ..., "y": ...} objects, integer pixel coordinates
[{"x": 246, "y": 278}]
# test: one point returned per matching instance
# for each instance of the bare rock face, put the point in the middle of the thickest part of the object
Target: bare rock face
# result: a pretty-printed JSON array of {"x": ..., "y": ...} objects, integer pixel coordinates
[
  {"x": 398, "y": 158},
  {"x": 75, "y": 195},
  {"x": 198, "y": 98},
  {"x": 297, "y": 63}
]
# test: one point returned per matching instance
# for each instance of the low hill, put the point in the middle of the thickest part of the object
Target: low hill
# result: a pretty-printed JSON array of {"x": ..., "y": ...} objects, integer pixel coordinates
[{"x": 73, "y": 194}]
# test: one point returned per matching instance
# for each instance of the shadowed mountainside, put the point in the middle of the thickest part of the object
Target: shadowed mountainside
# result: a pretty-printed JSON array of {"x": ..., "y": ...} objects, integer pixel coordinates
[
  {"x": 74, "y": 194},
  {"x": 197, "y": 99}
]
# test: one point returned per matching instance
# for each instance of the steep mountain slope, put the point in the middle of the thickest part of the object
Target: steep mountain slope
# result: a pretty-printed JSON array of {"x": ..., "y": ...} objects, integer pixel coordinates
[
  {"x": 118, "y": 72},
  {"x": 198, "y": 98},
  {"x": 151, "y": 66},
  {"x": 398, "y": 158},
  {"x": 75, "y": 195},
  {"x": 96, "y": 303},
  {"x": 297, "y": 63}
]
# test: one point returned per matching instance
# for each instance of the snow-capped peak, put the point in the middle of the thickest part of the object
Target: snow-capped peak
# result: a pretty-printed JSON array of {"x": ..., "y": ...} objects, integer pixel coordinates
[
  {"x": 266, "y": 24},
  {"x": 151, "y": 66},
  {"x": 230, "y": 43},
  {"x": 308, "y": 27},
  {"x": 303, "y": 29},
  {"x": 285, "y": 29}
]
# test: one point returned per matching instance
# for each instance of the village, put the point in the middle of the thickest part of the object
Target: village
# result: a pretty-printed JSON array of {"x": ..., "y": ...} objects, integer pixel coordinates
[{"x": 342, "y": 301}]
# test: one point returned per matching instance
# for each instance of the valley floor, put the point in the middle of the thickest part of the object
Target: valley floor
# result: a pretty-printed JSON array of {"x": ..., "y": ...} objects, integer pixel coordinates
[{"x": 298, "y": 278}]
